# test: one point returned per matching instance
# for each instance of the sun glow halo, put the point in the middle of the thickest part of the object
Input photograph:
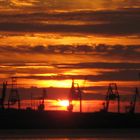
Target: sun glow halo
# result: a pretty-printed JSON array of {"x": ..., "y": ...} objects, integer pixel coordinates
[{"x": 63, "y": 103}]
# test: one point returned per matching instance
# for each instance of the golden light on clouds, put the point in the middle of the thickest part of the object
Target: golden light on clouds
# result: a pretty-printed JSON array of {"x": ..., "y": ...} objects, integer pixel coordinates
[
  {"x": 20, "y": 3},
  {"x": 58, "y": 83},
  {"x": 66, "y": 5},
  {"x": 54, "y": 39},
  {"x": 48, "y": 42}
]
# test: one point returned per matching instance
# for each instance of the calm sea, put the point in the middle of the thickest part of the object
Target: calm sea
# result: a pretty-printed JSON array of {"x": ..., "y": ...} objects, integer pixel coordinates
[
  {"x": 87, "y": 106},
  {"x": 110, "y": 134}
]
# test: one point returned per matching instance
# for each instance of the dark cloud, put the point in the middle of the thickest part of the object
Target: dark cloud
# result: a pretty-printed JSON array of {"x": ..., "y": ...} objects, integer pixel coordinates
[
  {"x": 120, "y": 75},
  {"x": 68, "y": 4},
  {"x": 119, "y": 15},
  {"x": 120, "y": 22},
  {"x": 102, "y": 50},
  {"x": 109, "y": 29},
  {"x": 79, "y": 18},
  {"x": 121, "y": 3},
  {"x": 101, "y": 65},
  {"x": 26, "y": 70},
  {"x": 61, "y": 68}
]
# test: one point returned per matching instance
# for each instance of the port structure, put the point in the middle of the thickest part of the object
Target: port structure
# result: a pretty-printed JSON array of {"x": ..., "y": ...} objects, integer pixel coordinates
[
  {"x": 111, "y": 95},
  {"x": 41, "y": 106},
  {"x": 132, "y": 107},
  {"x": 3, "y": 95},
  {"x": 75, "y": 94},
  {"x": 14, "y": 94}
]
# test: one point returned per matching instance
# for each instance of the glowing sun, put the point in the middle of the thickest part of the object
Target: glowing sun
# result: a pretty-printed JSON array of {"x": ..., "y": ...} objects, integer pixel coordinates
[{"x": 64, "y": 103}]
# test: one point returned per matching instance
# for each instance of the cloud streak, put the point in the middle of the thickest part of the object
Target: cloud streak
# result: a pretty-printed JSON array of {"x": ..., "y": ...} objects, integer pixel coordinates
[
  {"x": 101, "y": 50},
  {"x": 69, "y": 4},
  {"x": 121, "y": 75},
  {"x": 101, "y": 71},
  {"x": 117, "y": 23},
  {"x": 105, "y": 29},
  {"x": 91, "y": 19}
]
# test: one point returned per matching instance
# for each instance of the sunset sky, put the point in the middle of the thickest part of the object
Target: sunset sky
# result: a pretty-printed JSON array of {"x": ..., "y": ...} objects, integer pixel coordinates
[{"x": 46, "y": 43}]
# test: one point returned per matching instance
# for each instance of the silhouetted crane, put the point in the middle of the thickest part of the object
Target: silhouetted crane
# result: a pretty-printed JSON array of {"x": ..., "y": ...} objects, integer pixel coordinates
[
  {"x": 41, "y": 106},
  {"x": 112, "y": 94},
  {"x": 14, "y": 95},
  {"x": 2, "y": 99},
  {"x": 131, "y": 108},
  {"x": 75, "y": 93}
]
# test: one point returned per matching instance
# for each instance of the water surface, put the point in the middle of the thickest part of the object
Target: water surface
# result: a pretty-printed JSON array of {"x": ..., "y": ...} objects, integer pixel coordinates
[{"x": 96, "y": 134}]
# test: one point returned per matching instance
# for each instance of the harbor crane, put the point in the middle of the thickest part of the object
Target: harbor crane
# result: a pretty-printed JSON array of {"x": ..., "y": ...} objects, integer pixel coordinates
[
  {"x": 41, "y": 106},
  {"x": 2, "y": 99},
  {"x": 14, "y": 94},
  {"x": 112, "y": 94},
  {"x": 132, "y": 107},
  {"x": 75, "y": 93}
]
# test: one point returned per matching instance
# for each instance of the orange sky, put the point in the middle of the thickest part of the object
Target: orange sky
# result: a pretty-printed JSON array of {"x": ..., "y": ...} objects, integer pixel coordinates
[{"x": 47, "y": 43}]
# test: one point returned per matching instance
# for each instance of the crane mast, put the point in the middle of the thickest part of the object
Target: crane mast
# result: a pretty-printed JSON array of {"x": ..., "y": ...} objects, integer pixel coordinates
[
  {"x": 132, "y": 107},
  {"x": 112, "y": 94},
  {"x": 75, "y": 93},
  {"x": 2, "y": 99},
  {"x": 14, "y": 94}
]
